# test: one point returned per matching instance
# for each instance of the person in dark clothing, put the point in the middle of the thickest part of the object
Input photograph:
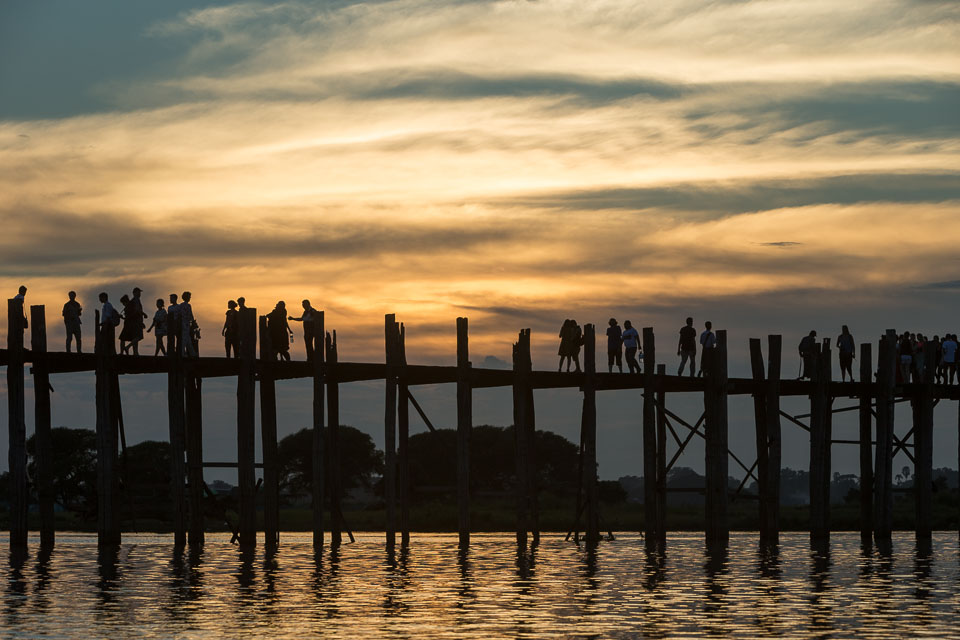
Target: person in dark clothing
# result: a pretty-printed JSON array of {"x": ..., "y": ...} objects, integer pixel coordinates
[
  {"x": 687, "y": 347},
  {"x": 309, "y": 319},
  {"x": 807, "y": 349},
  {"x": 280, "y": 332},
  {"x": 141, "y": 316},
  {"x": 21, "y": 296},
  {"x": 847, "y": 348},
  {"x": 614, "y": 346},
  {"x": 571, "y": 338},
  {"x": 71, "y": 320},
  {"x": 631, "y": 344},
  {"x": 173, "y": 323},
  {"x": 231, "y": 330},
  {"x": 708, "y": 343},
  {"x": 131, "y": 326},
  {"x": 159, "y": 328}
]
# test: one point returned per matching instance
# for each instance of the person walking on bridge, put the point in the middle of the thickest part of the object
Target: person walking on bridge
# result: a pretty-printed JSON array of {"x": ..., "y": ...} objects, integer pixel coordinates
[
  {"x": 687, "y": 347},
  {"x": 614, "y": 346},
  {"x": 309, "y": 319},
  {"x": 187, "y": 324},
  {"x": 708, "y": 342},
  {"x": 847, "y": 347},
  {"x": 159, "y": 328},
  {"x": 631, "y": 343},
  {"x": 231, "y": 330},
  {"x": 71, "y": 320},
  {"x": 806, "y": 348}
]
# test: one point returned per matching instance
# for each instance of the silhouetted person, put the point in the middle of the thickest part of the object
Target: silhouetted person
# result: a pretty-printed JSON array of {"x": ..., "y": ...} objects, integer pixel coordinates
[
  {"x": 919, "y": 358},
  {"x": 571, "y": 338},
  {"x": 141, "y": 316},
  {"x": 280, "y": 331},
  {"x": 159, "y": 328},
  {"x": 905, "y": 350},
  {"x": 241, "y": 303},
  {"x": 708, "y": 345},
  {"x": 187, "y": 326},
  {"x": 631, "y": 343},
  {"x": 614, "y": 346},
  {"x": 949, "y": 348},
  {"x": 848, "y": 351},
  {"x": 71, "y": 320},
  {"x": 309, "y": 319},
  {"x": 21, "y": 296},
  {"x": 130, "y": 319},
  {"x": 807, "y": 349},
  {"x": 937, "y": 358},
  {"x": 231, "y": 330},
  {"x": 173, "y": 323},
  {"x": 108, "y": 315},
  {"x": 687, "y": 347}
]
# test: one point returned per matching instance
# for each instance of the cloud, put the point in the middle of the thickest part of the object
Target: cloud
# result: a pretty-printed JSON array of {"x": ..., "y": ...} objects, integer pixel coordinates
[{"x": 781, "y": 243}]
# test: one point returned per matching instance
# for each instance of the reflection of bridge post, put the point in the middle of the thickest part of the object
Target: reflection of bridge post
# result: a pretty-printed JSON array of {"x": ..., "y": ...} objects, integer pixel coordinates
[
  {"x": 715, "y": 427},
  {"x": 464, "y": 427},
  {"x": 318, "y": 467},
  {"x": 590, "y": 435},
  {"x": 41, "y": 415},
  {"x": 246, "y": 434}
]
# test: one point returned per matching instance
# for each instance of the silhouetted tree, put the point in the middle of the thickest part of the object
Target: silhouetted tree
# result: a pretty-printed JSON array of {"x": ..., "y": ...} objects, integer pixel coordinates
[
  {"x": 73, "y": 466},
  {"x": 360, "y": 460}
]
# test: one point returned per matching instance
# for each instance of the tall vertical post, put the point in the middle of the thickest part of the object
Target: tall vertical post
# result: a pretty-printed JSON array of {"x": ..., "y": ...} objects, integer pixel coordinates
[
  {"x": 820, "y": 446},
  {"x": 533, "y": 478},
  {"x": 317, "y": 468},
  {"x": 333, "y": 441},
  {"x": 246, "y": 428},
  {"x": 923, "y": 446},
  {"x": 772, "y": 499},
  {"x": 390, "y": 427},
  {"x": 194, "y": 411},
  {"x": 649, "y": 438},
  {"x": 16, "y": 424},
  {"x": 866, "y": 442},
  {"x": 41, "y": 414},
  {"x": 403, "y": 427},
  {"x": 464, "y": 427},
  {"x": 176, "y": 422},
  {"x": 108, "y": 521},
  {"x": 661, "y": 457},
  {"x": 715, "y": 411},
  {"x": 762, "y": 437},
  {"x": 883, "y": 477},
  {"x": 268, "y": 439},
  {"x": 590, "y": 483},
  {"x": 521, "y": 379}
]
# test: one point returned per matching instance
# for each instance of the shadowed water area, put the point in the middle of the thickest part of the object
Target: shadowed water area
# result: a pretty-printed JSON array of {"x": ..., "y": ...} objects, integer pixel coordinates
[{"x": 147, "y": 589}]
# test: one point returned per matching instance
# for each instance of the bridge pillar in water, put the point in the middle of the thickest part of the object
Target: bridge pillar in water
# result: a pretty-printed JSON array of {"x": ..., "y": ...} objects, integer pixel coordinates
[
  {"x": 318, "y": 467},
  {"x": 464, "y": 427},
  {"x": 246, "y": 428},
  {"x": 715, "y": 427}
]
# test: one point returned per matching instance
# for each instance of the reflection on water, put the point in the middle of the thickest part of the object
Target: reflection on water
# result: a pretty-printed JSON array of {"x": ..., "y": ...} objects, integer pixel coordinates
[{"x": 148, "y": 588}]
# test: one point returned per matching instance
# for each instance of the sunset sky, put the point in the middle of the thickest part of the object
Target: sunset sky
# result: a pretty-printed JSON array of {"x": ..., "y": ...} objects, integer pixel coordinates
[{"x": 773, "y": 166}]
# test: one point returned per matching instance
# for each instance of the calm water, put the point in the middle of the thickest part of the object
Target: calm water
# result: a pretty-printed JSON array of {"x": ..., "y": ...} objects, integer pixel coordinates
[{"x": 147, "y": 590}]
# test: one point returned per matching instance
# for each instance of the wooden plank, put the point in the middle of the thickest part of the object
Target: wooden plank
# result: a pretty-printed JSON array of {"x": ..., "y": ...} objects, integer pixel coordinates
[
  {"x": 520, "y": 435},
  {"x": 108, "y": 520},
  {"x": 883, "y": 474},
  {"x": 268, "y": 440},
  {"x": 762, "y": 438},
  {"x": 923, "y": 448},
  {"x": 390, "y": 338},
  {"x": 661, "y": 458},
  {"x": 866, "y": 445},
  {"x": 176, "y": 425},
  {"x": 403, "y": 427},
  {"x": 16, "y": 425},
  {"x": 590, "y": 483},
  {"x": 715, "y": 432},
  {"x": 650, "y": 412},
  {"x": 194, "y": 416},
  {"x": 246, "y": 427},
  {"x": 319, "y": 432},
  {"x": 464, "y": 427},
  {"x": 43, "y": 476},
  {"x": 333, "y": 442},
  {"x": 819, "y": 447}
]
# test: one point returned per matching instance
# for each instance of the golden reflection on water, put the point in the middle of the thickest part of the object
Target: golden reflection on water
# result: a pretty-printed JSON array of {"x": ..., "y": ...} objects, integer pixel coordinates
[{"x": 147, "y": 588}]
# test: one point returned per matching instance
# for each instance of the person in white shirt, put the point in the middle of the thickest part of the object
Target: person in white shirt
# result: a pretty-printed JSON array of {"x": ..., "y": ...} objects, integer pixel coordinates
[
  {"x": 631, "y": 342},
  {"x": 949, "y": 348},
  {"x": 708, "y": 342}
]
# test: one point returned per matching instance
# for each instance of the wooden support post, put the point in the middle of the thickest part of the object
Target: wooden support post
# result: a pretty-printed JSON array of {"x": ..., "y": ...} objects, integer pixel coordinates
[
  {"x": 521, "y": 380},
  {"x": 715, "y": 428},
  {"x": 772, "y": 498},
  {"x": 464, "y": 427},
  {"x": 533, "y": 480},
  {"x": 246, "y": 427},
  {"x": 194, "y": 411},
  {"x": 762, "y": 437},
  {"x": 661, "y": 458},
  {"x": 820, "y": 446},
  {"x": 650, "y": 413},
  {"x": 923, "y": 447},
  {"x": 43, "y": 477},
  {"x": 403, "y": 426},
  {"x": 592, "y": 527},
  {"x": 317, "y": 470},
  {"x": 883, "y": 475},
  {"x": 866, "y": 443},
  {"x": 108, "y": 521},
  {"x": 176, "y": 421},
  {"x": 333, "y": 441},
  {"x": 16, "y": 425},
  {"x": 268, "y": 439},
  {"x": 391, "y": 339}
]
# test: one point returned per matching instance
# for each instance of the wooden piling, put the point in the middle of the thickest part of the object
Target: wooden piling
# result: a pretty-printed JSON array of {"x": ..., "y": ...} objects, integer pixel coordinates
[
  {"x": 866, "y": 442},
  {"x": 650, "y": 413},
  {"x": 318, "y": 468},
  {"x": 772, "y": 497},
  {"x": 522, "y": 439},
  {"x": 16, "y": 424},
  {"x": 391, "y": 338},
  {"x": 715, "y": 427},
  {"x": 194, "y": 415},
  {"x": 762, "y": 438},
  {"x": 464, "y": 427},
  {"x": 43, "y": 477},
  {"x": 589, "y": 423},
  {"x": 246, "y": 427},
  {"x": 883, "y": 475},
  {"x": 333, "y": 442},
  {"x": 820, "y": 446},
  {"x": 108, "y": 520},
  {"x": 533, "y": 477},
  {"x": 403, "y": 438},
  {"x": 923, "y": 447},
  {"x": 661, "y": 525},
  {"x": 176, "y": 422},
  {"x": 268, "y": 439}
]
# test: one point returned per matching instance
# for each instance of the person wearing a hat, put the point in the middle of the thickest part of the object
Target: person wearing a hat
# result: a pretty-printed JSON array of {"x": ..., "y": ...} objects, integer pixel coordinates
[{"x": 140, "y": 315}]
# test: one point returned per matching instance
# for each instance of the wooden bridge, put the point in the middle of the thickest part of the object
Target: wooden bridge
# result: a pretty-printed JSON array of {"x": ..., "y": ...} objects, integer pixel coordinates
[{"x": 877, "y": 393}]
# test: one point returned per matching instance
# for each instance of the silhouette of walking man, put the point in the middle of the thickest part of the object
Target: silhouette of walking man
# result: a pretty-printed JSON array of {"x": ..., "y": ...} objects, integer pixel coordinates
[
  {"x": 631, "y": 343},
  {"x": 571, "y": 337},
  {"x": 687, "y": 347},
  {"x": 280, "y": 331},
  {"x": 231, "y": 330},
  {"x": 708, "y": 342},
  {"x": 21, "y": 296},
  {"x": 848, "y": 351},
  {"x": 187, "y": 325},
  {"x": 309, "y": 320},
  {"x": 614, "y": 346},
  {"x": 71, "y": 320},
  {"x": 159, "y": 327},
  {"x": 806, "y": 349}
]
